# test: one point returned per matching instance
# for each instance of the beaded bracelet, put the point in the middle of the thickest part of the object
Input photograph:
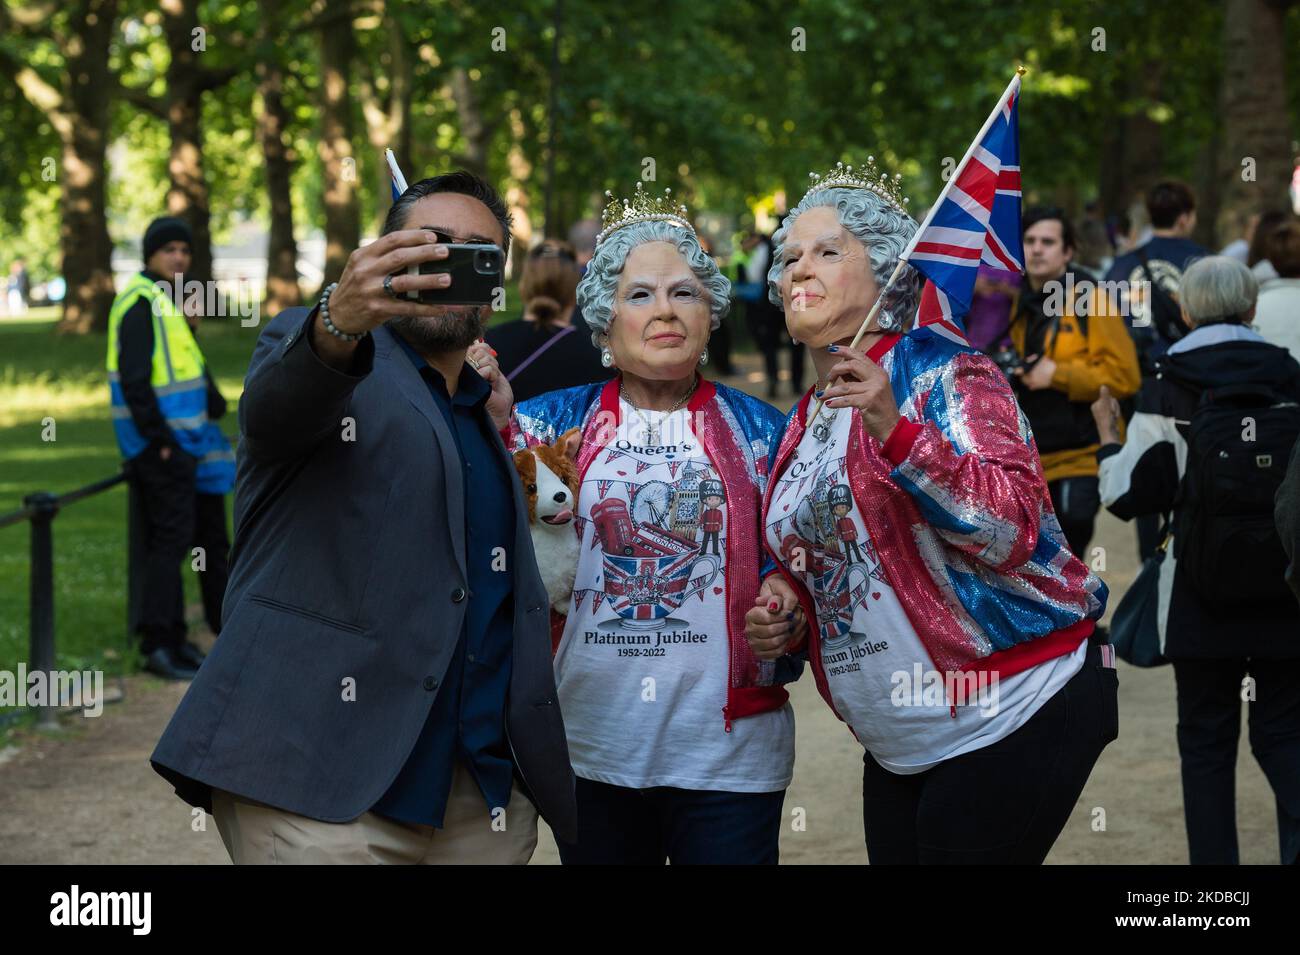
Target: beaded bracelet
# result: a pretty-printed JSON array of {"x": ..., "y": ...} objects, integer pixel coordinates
[{"x": 325, "y": 317}]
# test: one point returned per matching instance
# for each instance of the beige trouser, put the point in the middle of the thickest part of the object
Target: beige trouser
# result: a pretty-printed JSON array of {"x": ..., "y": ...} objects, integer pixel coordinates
[{"x": 256, "y": 834}]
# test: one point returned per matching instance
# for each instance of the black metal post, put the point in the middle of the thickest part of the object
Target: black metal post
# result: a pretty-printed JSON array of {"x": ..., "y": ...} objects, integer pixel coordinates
[
  {"x": 41, "y": 609},
  {"x": 137, "y": 553}
]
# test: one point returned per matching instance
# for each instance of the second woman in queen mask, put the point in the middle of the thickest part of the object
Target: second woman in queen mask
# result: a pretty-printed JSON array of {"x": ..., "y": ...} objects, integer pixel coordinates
[
  {"x": 681, "y": 739},
  {"x": 951, "y": 622}
]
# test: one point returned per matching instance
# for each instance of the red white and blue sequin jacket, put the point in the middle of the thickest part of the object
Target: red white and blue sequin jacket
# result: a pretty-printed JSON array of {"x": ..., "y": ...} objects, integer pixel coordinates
[
  {"x": 958, "y": 509},
  {"x": 738, "y": 433}
]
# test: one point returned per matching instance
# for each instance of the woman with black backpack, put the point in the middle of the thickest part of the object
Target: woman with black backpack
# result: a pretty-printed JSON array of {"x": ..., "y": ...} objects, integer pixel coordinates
[{"x": 1209, "y": 445}]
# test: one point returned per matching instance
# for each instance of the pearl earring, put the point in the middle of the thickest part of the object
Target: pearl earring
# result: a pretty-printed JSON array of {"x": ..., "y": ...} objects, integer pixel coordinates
[
  {"x": 607, "y": 358},
  {"x": 704, "y": 357}
]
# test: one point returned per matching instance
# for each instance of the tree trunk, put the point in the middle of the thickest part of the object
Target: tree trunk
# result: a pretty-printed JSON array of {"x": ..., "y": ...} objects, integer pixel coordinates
[
  {"x": 1255, "y": 120},
  {"x": 1208, "y": 187},
  {"x": 282, "y": 289},
  {"x": 477, "y": 132},
  {"x": 1142, "y": 163},
  {"x": 1112, "y": 190},
  {"x": 339, "y": 166},
  {"x": 517, "y": 201},
  {"x": 388, "y": 114},
  {"x": 82, "y": 121},
  {"x": 549, "y": 224},
  {"x": 187, "y": 198}
]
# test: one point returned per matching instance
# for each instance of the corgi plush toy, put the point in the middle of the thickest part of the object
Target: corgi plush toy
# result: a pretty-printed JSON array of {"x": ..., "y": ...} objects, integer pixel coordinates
[{"x": 550, "y": 480}]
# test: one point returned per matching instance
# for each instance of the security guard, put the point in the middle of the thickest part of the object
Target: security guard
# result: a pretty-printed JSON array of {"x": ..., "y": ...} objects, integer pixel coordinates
[{"x": 165, "y": 407}]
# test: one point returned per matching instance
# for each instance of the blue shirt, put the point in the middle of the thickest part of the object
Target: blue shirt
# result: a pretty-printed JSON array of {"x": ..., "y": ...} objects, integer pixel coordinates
[{"x": 467, "y": 720}]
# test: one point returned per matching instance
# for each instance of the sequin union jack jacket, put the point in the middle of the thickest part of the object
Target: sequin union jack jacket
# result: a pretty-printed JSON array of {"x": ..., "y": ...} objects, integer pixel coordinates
[
  {"x": 956, "y": 505},
  {"x": 739, "y": 433}
]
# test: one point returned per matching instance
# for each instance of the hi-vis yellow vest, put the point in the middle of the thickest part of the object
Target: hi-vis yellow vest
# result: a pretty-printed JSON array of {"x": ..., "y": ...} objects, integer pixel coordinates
[{"x": 178, "y": 382}]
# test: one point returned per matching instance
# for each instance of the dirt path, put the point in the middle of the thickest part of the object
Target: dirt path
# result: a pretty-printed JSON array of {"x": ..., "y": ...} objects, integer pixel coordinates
[{"x": 88, "y": 795}]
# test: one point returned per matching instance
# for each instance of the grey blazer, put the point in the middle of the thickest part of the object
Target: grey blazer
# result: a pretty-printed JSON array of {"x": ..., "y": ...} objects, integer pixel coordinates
[{"x": 348, "y": 571}]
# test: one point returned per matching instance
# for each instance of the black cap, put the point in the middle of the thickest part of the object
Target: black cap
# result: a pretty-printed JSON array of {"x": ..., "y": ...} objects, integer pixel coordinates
[{"x": 163, "y": 230}]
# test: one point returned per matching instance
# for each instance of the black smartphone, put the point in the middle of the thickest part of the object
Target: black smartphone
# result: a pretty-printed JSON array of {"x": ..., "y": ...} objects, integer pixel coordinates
[{"x": 477, "y": 271}]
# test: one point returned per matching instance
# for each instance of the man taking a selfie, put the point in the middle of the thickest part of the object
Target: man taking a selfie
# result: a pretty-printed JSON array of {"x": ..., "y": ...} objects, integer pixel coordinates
[{"x": 383, "y": 690}]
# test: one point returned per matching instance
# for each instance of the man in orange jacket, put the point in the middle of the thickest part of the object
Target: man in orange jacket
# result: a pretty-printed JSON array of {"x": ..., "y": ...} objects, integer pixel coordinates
[{"x": 1072, "y": 343}]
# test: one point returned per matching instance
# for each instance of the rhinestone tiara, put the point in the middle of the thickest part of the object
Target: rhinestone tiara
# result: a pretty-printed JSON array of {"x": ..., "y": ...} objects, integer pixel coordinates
[
  {"x": 867, "y": 177},
  {"x": 641, "y": 208}
]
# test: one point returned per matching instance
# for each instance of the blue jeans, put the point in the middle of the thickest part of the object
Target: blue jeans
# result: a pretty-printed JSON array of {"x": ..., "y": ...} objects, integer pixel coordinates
[{"x": 621, "y": 826}]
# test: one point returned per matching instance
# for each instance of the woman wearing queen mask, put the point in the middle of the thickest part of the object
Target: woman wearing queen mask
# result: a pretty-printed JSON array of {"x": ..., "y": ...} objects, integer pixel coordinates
[
  {"x": 951, "y": 624},
  {"x": 681, "y": 739}
]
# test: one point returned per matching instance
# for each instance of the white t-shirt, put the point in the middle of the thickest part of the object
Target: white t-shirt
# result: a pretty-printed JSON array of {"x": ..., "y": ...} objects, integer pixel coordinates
[
  {"x": 1277, "y": 314},
  {"x": 642, "y": 668},
  {"x": 879, "y": 674}
]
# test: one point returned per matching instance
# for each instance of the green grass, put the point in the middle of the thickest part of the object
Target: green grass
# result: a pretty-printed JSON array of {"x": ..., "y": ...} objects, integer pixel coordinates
[{"x": 43, "y": 375}]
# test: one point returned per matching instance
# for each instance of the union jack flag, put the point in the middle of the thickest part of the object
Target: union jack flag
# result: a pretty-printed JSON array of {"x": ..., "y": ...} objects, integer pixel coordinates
[
  {"x": 637, "y": 586},
  {"x": 834, "y": 602},
  {"x": 976, "y": 219}
]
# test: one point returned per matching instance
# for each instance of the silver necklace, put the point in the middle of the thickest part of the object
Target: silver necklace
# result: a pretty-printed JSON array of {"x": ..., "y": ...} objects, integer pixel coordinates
[
  {"x": 821, "y": 428},
  {"x": 652, "y": 430}
]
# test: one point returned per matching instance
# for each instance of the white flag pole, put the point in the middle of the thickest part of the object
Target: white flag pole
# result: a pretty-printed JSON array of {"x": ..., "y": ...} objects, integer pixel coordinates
[
  {"x": 398, "y": 179},
  {"x": 916, "y": 237}
]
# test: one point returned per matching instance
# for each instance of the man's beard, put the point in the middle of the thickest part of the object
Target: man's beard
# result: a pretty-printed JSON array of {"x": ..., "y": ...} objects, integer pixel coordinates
[{"x": 455, "y": 328}]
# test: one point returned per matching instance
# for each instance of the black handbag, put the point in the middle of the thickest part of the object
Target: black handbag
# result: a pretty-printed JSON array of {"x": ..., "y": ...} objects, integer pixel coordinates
[{"x": 1135, "y": 626}]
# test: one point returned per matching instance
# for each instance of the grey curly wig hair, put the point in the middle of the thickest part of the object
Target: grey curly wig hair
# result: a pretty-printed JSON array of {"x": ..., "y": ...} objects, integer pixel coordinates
[
  {"x": 598, "y": 288},
  {"x": 880, "y": 227}
]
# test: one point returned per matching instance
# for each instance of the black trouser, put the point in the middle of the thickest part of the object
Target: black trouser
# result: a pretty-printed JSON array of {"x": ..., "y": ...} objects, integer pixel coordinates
[
  {"x": 711, "y": 539},
  {"x": 720, "y": 349},
  {"x": 178, "y": 518},
  {"x": 621, "y": 826},
  {"x": 796, "y": 361},
  {"x": 1005, "y": 803},
  {"x": 770, "y": 335},
  {"x": 210, "y": 533},
  {"x": 1209, "y": 723},
  {"x": 1076, "y": 501},
  {"x": 1148, "y": 533}
]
